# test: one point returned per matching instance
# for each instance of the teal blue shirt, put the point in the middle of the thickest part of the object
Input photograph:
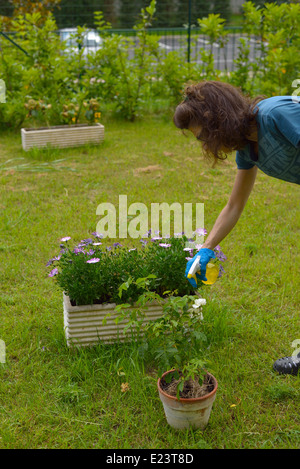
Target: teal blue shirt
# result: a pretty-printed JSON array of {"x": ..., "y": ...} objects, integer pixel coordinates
[{"x": 278, "y": 120}]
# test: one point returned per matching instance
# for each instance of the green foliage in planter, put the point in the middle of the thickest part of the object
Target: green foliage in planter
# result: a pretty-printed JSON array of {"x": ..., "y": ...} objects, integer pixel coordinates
[
  {"x": 172, "y": 341},
  {"x": 90, "y": 273}
]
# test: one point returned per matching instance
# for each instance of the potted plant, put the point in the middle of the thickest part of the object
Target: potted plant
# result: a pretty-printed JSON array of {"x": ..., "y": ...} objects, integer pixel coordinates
[
  {"x": 68, "y": 134},
  {"x": 174, "y": 340},
  {"x": 188, "y": 412},
  {"x": 185, "y": 388},
  {"x": 92, "y": 276}
]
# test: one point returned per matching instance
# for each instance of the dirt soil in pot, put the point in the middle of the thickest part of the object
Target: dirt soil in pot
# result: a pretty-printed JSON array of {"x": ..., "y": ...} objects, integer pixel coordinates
[{"x": 191, "y": 388}]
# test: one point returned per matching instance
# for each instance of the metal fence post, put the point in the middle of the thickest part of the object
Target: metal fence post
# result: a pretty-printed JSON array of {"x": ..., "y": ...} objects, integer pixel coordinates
[
  {"x": 189, "y": 31},
  {"x": 13, "y": 42}
]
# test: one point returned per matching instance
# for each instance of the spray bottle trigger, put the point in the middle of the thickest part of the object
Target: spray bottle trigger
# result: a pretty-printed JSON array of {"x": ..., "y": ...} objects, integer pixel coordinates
[{"x": 195, "y": 267}]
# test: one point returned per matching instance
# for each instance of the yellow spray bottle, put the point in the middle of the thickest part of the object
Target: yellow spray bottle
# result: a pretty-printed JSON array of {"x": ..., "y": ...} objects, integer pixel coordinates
[{"x": 212, "y": 272}]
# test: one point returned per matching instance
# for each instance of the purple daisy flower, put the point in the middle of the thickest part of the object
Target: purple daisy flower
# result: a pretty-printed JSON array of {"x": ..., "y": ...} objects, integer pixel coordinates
[
  {"x": 93, "y": 260},
  {"x": 201, "y": 231},
  {"x": 86, "y": 241},
  {"x": 165, "y": 245},
  {"x": 116, "y": 245},
  {"x": 53, "y": 272},
  {"x": 78, "y": 250},
  {"x": 66, "y": 238},
  {"x": 97, "y": 235}
]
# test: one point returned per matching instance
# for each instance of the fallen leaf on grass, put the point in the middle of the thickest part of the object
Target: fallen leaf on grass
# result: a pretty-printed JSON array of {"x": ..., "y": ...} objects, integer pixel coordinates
[
  {"x": 147, "y": 169},
  {"x": 125, "y": 387}
]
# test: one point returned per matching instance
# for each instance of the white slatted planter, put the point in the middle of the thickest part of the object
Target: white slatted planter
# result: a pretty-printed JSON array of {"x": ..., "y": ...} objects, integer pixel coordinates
[
  {"x": 84, "y": 324},
  {"x": 62, "y": 136}
]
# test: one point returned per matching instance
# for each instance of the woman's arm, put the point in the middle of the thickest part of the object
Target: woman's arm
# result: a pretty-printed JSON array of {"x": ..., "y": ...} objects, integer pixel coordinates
[{"x": 230, "y": 214}]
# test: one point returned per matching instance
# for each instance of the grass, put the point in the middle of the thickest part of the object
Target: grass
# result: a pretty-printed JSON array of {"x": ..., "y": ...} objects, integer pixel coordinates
[{"x": 52, "y": 397}]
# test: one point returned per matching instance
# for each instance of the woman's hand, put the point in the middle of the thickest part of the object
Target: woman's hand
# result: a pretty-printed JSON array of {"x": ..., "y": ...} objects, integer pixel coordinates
[
  {"x": 205, "y": 255},
  {"x": 227, "y": 219}
]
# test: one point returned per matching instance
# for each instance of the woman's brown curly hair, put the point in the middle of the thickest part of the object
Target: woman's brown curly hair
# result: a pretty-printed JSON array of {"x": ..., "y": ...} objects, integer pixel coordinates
[{"x": 224, "y": 114}]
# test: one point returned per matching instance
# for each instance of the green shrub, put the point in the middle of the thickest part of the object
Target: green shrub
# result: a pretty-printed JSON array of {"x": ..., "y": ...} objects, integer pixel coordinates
[{"x": 91, "y": 273}]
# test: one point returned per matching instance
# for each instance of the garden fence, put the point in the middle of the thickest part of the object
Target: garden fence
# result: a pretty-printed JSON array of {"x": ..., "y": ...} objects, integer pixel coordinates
[{"x": 187, "y": 43}]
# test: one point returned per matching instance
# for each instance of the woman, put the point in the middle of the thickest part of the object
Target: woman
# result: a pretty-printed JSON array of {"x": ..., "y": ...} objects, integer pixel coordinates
[{"x": 266, "y": 135}]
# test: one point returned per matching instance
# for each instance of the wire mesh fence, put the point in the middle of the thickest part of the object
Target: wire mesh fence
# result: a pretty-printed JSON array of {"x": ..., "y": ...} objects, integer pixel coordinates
[
  {"x": 124, "y": 13},
  {"x": 189, "y": 47},
  {"x": 175, "y": 25}
]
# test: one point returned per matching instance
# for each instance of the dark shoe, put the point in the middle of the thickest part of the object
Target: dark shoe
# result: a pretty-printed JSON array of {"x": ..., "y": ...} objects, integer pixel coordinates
[{"x": 288, "y": 365}]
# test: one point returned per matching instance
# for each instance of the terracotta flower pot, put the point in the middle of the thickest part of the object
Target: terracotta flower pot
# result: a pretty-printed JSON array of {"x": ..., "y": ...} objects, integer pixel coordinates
[{"x": 185, "y": 413}]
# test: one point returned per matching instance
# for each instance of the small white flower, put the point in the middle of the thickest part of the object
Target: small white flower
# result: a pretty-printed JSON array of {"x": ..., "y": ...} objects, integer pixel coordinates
[{"x": 199, "y": 302}]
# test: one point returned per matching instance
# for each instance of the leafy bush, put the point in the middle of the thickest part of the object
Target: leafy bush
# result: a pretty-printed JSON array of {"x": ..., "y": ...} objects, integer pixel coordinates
[
  {"x": 90, "y": 273},
  {"x": 277, "y": 30},
  {"x": 128, "y": 74},
  {"x": 174, "y": 339}
]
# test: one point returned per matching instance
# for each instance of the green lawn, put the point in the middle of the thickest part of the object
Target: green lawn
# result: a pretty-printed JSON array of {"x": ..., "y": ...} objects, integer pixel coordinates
[{"x": 51, "y": 397}]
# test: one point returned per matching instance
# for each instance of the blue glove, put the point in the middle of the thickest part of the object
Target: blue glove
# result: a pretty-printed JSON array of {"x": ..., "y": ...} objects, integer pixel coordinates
[{"x": 205, "y": 255}]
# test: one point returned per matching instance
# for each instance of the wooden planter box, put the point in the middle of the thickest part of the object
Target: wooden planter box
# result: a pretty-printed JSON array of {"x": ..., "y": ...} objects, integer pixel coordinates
[
  {"x": 84, "y": 324},
  {"x": 62, "y": 135}
]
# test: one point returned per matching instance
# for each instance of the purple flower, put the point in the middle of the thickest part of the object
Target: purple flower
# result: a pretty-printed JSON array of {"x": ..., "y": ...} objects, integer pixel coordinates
[
  {"x": 188, "y": 258},
  {"x": 96, "y": 244},
  {"x": 91, "y": 252},
  {"x": 201, "y": 231},
  {"x": 56, "y": 258},
  {"x": 53, "y": 272},
  {"x": 116, "y": 245},
  {"x": 93, "y": 260},
  {"x": 86, "y": 241},
  {"x": 165, "y": 245},
  {"x": 66, "y": 238},
  {"x": 155, "y": 238},
  {"x": 78, "y": 250},
  {"x": 220, "y": 255},
  {"x": 97, "y": 235}
]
